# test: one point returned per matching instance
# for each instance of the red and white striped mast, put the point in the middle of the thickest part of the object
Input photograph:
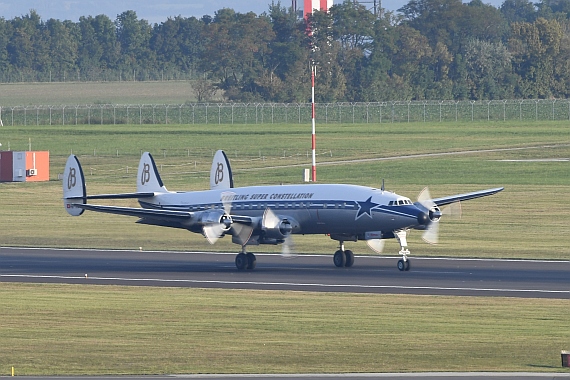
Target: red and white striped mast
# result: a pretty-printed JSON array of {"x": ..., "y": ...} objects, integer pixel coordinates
[
  {"x": 314, "y": 137},
  {"x": 310, "y": 6}
]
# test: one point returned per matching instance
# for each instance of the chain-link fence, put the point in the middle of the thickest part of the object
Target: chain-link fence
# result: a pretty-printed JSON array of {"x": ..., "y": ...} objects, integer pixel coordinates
[{"x": 289, "y": 113}]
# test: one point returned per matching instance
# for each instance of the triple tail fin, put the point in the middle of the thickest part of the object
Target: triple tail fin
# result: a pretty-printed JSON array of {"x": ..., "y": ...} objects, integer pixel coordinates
[
  {"x": 221, "y": 177},
  {"x": 75, "y": 195},
  {"x": 148, "y": 179}
]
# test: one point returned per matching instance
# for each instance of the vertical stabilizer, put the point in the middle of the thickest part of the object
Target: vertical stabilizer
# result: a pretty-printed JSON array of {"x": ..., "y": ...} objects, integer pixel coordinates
[
  {"x": 148, "y": 179},
  {"x": 221, "y": 177},
  {"x": 73, "y": 186}
]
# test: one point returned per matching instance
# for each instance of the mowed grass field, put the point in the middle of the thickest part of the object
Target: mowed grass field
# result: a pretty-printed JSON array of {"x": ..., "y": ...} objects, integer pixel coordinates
[
  {"x": 71, "y": 93},
  {"x": 527, "y": 220},
  {"x": 71, "y": 329},
  {"x": 95, "y": 330}
]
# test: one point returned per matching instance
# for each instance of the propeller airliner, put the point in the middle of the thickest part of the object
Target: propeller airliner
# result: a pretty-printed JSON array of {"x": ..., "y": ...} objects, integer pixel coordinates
[{"x": 257, "y": 215}]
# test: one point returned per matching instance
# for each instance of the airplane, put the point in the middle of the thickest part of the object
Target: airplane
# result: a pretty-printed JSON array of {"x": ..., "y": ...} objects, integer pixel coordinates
[{"x": 255, "y": 215}]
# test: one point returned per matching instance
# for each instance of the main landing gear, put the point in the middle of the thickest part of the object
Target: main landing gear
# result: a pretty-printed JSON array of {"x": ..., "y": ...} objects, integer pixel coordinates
[
  {"x": 342, "y": 257},
  {"x": 345, "y": 258},
  {"x": 404, "y": 262},
  {"x": 245, "y": 260}
]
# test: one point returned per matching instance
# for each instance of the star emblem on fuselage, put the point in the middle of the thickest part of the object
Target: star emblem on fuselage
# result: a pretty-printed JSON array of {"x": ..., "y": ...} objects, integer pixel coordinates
[{"x": 365, "y": 208}]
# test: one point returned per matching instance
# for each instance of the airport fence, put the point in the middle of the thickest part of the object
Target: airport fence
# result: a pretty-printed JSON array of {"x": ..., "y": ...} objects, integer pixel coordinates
[{"x": 289, "y": 113}]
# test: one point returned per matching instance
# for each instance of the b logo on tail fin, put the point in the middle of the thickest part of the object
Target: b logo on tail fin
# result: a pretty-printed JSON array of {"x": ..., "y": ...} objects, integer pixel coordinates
[
  {"x": 71, "y": 178},
  {"x": 219, "y": 176},
  {"x": 145, "y": 175}
]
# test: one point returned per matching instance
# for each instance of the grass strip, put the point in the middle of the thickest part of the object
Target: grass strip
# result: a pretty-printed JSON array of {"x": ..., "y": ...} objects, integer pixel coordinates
[{"x": 94, "y": 330}]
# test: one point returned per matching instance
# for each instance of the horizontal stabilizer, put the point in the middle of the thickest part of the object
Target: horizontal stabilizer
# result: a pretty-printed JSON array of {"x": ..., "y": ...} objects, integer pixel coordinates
[
  {"x": 115, "y": 196},
  {"x": 139, "y": 212}
]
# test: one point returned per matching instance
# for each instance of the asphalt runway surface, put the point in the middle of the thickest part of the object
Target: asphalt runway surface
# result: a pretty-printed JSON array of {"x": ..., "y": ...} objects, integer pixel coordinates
[{"x": 370, "y": 274}]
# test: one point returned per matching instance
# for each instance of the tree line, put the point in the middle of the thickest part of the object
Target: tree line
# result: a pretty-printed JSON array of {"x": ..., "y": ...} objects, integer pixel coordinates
[{"x": 428, "y": 49}]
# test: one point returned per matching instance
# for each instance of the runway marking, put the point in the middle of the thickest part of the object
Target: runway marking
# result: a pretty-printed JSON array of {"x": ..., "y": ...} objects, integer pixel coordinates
[
  {"x": 376, "y": 257},
  {"x": 292, "y": 284}
]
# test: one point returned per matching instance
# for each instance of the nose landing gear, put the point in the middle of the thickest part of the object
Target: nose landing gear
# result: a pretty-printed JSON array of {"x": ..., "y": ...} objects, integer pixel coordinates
[{"x": 404, "y": 262}]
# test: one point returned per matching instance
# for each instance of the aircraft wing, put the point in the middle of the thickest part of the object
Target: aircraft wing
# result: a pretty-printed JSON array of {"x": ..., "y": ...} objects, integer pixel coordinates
[{"x": 465, "y": 197}]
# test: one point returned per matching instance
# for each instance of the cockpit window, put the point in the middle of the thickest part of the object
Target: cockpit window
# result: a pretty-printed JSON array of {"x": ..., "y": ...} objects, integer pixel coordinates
[{"x": 400, "y": 202}]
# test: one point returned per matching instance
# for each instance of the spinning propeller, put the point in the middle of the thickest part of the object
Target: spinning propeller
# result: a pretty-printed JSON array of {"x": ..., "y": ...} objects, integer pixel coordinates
[
  {"x": 214, "y": 229},
  {"x": 434, "y": 214},
  {"x": 281, "y": 228},
  {"x": 377, "y": 245}
]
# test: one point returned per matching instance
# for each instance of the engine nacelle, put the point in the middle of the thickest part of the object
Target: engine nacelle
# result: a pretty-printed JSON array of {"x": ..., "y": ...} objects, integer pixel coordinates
[
  {"x": 428, "y": 216},
  {"x": 282, "y": 229},
  {"x": 215, "y": 216},
  {"x": 435, "y": 214}
]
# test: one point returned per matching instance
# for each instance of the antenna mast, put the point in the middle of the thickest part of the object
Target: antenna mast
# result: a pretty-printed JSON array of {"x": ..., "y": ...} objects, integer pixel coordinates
[{"x": 314, "y": 139}]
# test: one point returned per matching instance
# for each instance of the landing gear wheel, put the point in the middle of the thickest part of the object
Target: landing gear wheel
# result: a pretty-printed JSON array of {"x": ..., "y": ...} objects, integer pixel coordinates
[
  {"x": 339, "y": 259},
  {"x": 401, "y": 265},
  {"x": 241, "y": 261},
  {"x": 407, "y": 265},
  {"x": 251, "y": 260},
  {"x": 349, "y": 258}
]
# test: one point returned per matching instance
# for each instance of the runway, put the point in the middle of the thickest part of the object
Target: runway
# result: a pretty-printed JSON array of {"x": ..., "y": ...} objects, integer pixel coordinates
[{"x": 370, "y": 274}]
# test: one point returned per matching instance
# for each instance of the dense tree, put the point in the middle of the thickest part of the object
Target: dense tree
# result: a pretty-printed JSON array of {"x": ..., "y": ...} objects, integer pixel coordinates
[
  {"x": 133, "y": 36},
  {"x": 518, "y": 10},
  {"x": 376, "y": 82},
  {"x": 353, "y": 27},
  {"x": 98, "y": 48},
  {"x": 535, "y": 48},
  {"x": 282, "y": 78},
  {"x": 177, "y": 42},
  {"x": 431, "y": 49},
  {"x": 25, "y": 45},
  {"x": 5, "y": 33},
  {"x": 324, "y": 53},
  {"x": 236, "y": 50},
  {"x": 489, "y": 69},
  {"x": 62, "y": 45}
]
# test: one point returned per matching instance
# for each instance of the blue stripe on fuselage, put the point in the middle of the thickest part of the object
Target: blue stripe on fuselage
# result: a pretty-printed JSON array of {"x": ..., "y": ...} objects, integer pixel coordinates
[{"x": 403, "y": 211}]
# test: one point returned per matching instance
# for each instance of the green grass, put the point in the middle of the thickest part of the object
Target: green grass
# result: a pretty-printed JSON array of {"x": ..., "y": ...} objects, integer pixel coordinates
[
  {"x": 94, "y": 330},
  {"x": 65, "y": 329},
  {"x": 527, "y": 220},
  {"x": 72, "y": 93}
]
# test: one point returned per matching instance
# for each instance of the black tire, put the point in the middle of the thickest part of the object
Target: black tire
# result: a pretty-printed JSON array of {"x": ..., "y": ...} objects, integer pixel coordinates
[
  {"x": 241, "y": 261},
  {"x": 401, "y": 265},
  {"x": 251, "y": 260},
  {"x": 349, "y": 258},
  {"x": 407, "y": 265},
  {"x": 339, "y": 259}
]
